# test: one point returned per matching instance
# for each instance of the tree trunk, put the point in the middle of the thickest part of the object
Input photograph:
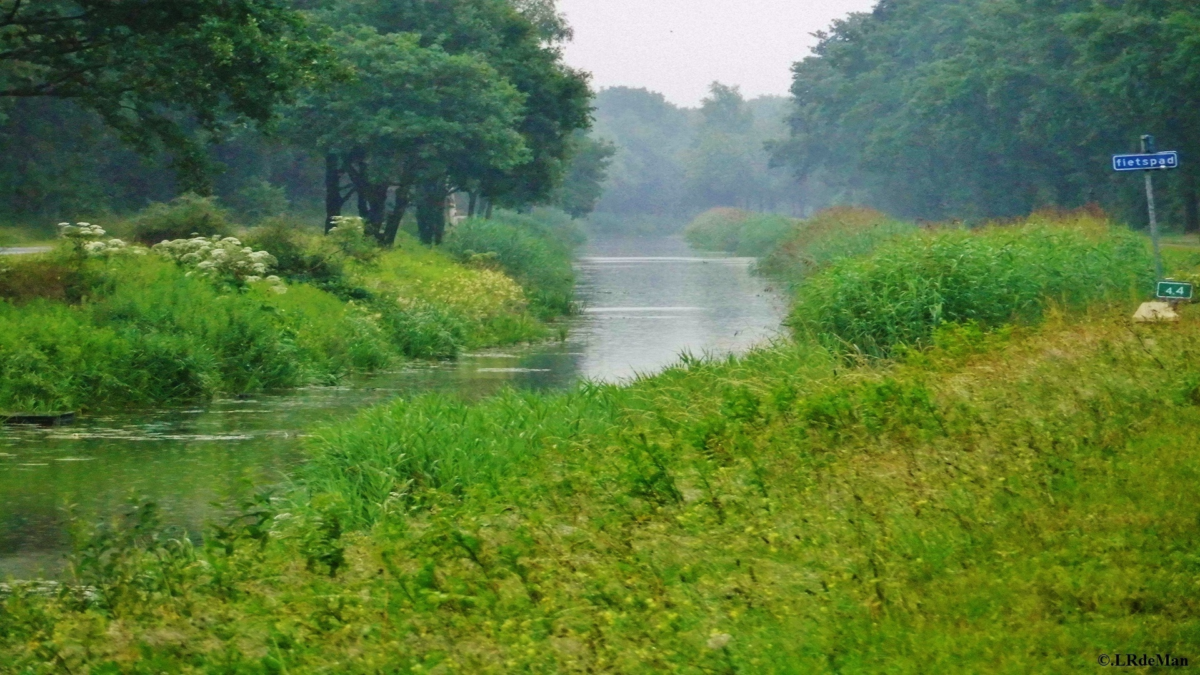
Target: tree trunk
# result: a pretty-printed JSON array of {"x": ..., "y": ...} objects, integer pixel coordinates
[
  {"x": 431, "y": 212},
  {"x": 395, "y": 217},
  {"x": 1191, "y": 209},
  {"x": 334, "y": 201},
  {"x": 472, "y": 201},
  {"x": 488, "y": 213},
  {"x": 377, "y": 195}
]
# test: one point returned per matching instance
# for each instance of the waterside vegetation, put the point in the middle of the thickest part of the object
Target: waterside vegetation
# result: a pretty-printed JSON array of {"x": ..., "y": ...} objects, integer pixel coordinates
[
  {"x": 100, "y": 322},
  {"x": 963, "y": 504}
]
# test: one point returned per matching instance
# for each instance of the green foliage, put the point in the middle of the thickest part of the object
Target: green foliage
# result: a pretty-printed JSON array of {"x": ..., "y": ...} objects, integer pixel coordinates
[
  {"x": 828, "y": 236},
  {"x": 182, "y": 218},
  {"x": 967, "y": 510},
  {"x": 258, "y": 200},
  {"x": 583, "y": 185},
  {"x": 456, "y": 117},
  {"x": 87, "y": 332},
  {"x": 736, "y": 231},
  {"x": 142, "y": 67},
  {"x": 923, "y": 108},
  {"x": 903, "y": 291},
  {"x": 534, "y": 251},
  {"x": 672, "y": 163}
]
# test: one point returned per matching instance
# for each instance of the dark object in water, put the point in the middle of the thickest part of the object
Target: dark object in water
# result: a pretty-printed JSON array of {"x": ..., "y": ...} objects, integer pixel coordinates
[{"x": 41, "y": 419}]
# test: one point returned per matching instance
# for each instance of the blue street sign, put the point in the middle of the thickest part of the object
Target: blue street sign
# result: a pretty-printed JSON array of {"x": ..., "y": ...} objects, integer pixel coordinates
[{"x": 1158, "y": 160}]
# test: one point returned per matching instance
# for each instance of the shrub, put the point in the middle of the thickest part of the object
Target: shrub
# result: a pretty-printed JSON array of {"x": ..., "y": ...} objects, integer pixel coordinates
[
  {"x": 299, "y": 256},
  {"x": 25, "y": 278},
  {"x": 716, "y": 229},
  {"x": 220, "y": 259},
  {"x": 260, "y": 199},
  {"x": 909, "y": 286},
  {"x": 527, "y": 249},
  {"x": 762, "y": 232},
  {"x": 182, "y": 218},
  {"x": 737, "y": 231},
  {"x": 830, "y": 235}
]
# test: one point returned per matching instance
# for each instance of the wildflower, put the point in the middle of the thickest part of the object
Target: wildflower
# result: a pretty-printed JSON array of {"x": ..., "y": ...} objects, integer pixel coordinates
[{"x": 719, "y": 641}]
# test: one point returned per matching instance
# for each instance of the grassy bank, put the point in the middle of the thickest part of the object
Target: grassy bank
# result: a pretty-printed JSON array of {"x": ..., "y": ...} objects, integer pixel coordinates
[
  {"x": 1003, "y": 500},
  {"x": 100, "y": 323}
]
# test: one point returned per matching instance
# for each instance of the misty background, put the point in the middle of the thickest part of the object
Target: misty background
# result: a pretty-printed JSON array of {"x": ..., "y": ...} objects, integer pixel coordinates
[{"x": 926, "y": 109}]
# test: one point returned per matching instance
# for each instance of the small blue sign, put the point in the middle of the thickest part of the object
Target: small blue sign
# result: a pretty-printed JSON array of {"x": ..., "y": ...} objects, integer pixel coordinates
[{"x": 1158, "y": 160}]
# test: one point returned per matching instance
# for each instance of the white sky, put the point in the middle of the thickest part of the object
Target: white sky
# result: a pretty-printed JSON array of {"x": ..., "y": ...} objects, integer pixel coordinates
[{"x": 679, "y": 47}]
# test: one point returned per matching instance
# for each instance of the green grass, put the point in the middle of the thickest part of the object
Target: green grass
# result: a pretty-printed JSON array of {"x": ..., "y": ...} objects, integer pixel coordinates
[
  {"x": 900, "y": 293},
  {"x": 830, "y": 235},
  {"x": 740, "y": 232},
  {"x": 970, "y": 509},
  {"x": 86, "y": 333},
  {"x": 1009, "y": 498},
  {"x": 535, "y": 252}
]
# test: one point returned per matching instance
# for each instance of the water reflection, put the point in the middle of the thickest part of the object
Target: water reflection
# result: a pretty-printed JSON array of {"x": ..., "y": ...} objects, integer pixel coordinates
[{"x": 646, "y": 301}]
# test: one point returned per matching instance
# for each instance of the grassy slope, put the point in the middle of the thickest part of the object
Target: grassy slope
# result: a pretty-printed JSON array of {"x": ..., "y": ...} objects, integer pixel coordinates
[
  {"x": 138, "y": 330},
  {"x": 1005, "y": 501},
  {"x": 1010, "y": 503}
]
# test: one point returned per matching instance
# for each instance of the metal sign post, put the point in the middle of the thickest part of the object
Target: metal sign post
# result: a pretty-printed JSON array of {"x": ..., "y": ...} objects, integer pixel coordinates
[
  {"x": 1149, "y": 161},
  {"x": 1148, "y": 148}
]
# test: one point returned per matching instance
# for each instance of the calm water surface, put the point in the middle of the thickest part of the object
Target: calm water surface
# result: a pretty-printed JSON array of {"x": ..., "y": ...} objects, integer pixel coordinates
[{"x": 645, "y": 302}]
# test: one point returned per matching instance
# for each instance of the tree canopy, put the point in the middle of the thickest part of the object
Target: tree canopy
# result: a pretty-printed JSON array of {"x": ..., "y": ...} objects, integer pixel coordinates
[
  {"x": 982, "y": 108},
  {"x": 155, "y": 70},
  {"x": 503, "y": 133}
]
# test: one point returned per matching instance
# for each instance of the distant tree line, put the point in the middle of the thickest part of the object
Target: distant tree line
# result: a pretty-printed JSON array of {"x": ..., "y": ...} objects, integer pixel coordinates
[
  {"x": 671, "y": 162},
  {"x": 970, "y": 109},
  {"x": 382, "y": 106}
]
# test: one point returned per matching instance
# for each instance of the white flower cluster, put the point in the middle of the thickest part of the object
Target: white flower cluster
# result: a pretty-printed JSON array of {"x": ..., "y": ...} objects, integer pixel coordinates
[
  {"x": 80, "y": 231},
  {"x": 216, "y": 257},
  {"x": 351, "y": 225},
  {"x": 88, "y": 240}
]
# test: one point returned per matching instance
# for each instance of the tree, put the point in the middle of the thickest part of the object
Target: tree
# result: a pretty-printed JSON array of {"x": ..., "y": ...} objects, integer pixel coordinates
[
  {"x": 156, "y": 70},
  {"x": 991, "y": 108},
  {"x": 407, "y": 117},
  {"x": 1141, "y": 61},
  {"x": 517, "y": 41},
  {"x": 584, "y": 183},
  {"x": 651, "y": 135}
]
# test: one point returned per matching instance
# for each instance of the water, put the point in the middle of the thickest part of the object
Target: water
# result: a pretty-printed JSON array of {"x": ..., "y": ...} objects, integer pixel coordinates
[{"x": 646, "y": 301}]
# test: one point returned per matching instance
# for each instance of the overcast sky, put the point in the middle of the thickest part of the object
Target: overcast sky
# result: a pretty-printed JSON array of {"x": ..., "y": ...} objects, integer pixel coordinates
[{"x": 679, "y": 47}]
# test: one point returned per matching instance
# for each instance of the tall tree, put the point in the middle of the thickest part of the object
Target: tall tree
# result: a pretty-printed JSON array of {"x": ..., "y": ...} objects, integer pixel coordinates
[
  {"x": 407, "y": 117},
  {"x": 584, "y": 183},
  {"x": 522, "y": 44},
  {"x": 157, "y": 70},
  {"x": 984, "y": 108}
]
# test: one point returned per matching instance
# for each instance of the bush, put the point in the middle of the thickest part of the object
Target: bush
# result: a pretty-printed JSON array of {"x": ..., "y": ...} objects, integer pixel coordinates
[
  {"x": 910, "y": 286},
  {"x": 716, "y": 229},
  {"x": 533, "y": 251},
  {"x": 182, "y": 218},
  {"x": 830, "y": 235},
  {"x": 25, "y": 278},
  {"x": 299, "y": 256},
  {"x": 737, "y": 231},
  {"x": 258, "y": 200}
]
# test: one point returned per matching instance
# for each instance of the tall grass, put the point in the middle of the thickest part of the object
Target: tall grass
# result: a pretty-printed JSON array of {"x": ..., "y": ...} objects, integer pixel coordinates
[
  {"x": 537, "y": 252},
  {"x": 740, "y": 232},
  {"x": 966, "y": 507},
  {"x": 905, "y": 289},
  {"x": 966, "y": 510},
  {"x": 830, "y": 235},
  {"x": 92, "y": 332}
]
